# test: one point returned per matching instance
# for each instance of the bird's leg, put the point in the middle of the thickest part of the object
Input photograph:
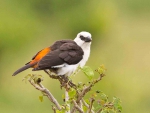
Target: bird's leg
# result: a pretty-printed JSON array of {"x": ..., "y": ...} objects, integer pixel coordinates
[
  {"x": 66, "y": 80},
  {"x": 63, "y": 81},
  {"x": 71, "y": 84},
  {"x": 51, "y": 74}
]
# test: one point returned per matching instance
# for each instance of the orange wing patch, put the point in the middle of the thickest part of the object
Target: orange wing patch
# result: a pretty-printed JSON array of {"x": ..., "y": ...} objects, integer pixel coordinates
[{"x": 40, "y": 55}]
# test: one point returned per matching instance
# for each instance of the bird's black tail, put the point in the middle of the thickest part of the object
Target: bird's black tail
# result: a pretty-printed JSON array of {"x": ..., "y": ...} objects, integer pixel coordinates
[{"x": 22, "y": 69}]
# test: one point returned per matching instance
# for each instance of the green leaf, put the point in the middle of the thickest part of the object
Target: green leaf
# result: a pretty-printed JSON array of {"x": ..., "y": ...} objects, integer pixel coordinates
[
  {"x": 101, "y": 69},
  {"x": 94, "y": 95},
  {"x": 62, "y": 111},
  {"x": 103, "y": 97},
  {"x": 41, "y": 98},
  {"x": 88, "y": 72},
  {"x": 26, "y": 78},
  {"x": 63, "y": 96},
  {"x": 117, "y": 104},
  {"x": 36, "y": 78},
  {"x": 111, "y": 111},
  {"x": 104, "y": 111},
  {"x": 99, "y": 106},
  {"x": 57, "y": 111},
  {"x": 72, "y": 93},
  {"x": 85, "y": 109},
  {"x": 87, "y": 101},
  {"x": 67, "y": 108}
]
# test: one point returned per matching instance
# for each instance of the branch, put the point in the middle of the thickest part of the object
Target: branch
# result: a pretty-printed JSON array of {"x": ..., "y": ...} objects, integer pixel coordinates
[
  {"x": 91, "y": 104},
  {"x": 67, "y": 84},
  {"x": 88, "y": 88},
  {"x": 99, "y": 79},
  {"x": 40, "y": 87},
  {"x": 99, "y": 110},
  {"x": 84, "y": 91},
  {"x": 64, "y": 81},
  {"x": 73, "y": 109},
  {"x": 67, "y": 99},
  {"x": 51, "y": 75},
  {"x": 54, "y": 109},
  {"x": 109, "y": 105},
  {"x": 85, "y": 104},
  {"x": 81, "y": 104},
  {"x": 77, "y": 107}
]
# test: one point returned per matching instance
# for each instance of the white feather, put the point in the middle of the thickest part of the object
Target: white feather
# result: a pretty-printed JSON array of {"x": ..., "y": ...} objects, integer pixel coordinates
[{"x": 69, "y": 69}]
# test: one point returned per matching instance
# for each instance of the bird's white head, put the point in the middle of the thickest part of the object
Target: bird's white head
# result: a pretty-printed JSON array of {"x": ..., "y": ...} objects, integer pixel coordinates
[{"x": 83, "y": 39}]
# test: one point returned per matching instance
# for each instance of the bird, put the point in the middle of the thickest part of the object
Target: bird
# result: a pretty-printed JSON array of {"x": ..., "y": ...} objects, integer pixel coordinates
[{"x": 63, "y": 57}]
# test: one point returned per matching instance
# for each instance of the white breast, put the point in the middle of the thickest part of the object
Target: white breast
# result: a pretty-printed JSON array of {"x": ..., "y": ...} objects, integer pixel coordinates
[
  {"x": 86, "y": 49},
  {"x": 69, "y": 69}
]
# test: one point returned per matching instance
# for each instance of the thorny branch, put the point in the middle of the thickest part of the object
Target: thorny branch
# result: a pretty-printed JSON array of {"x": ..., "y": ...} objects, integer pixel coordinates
[
  {"x": 67, "y": 84},
  {"x": 105, "y": 105},
  {"x": 88, "y": 88},
  {"x": 84, "y": 91},
  {"x": 64, "y": 81}
]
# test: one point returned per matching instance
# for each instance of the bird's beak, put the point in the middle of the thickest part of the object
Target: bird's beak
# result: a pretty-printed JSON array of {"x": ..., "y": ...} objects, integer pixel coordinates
[{"x": 88, "y": 39}]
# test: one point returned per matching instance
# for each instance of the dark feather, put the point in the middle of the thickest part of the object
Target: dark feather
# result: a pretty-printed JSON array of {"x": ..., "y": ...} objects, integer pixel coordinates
[
  {"x": 23, "y": 68},
  {"x": 65, "y": 51},
  {"x": 51, "y": 59}
]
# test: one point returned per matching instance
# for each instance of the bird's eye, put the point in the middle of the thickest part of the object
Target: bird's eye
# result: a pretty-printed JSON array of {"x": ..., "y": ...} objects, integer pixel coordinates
[{"x": 82, "y": 37}]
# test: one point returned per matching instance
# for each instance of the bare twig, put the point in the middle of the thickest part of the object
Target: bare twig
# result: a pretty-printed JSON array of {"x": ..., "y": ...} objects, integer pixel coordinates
[
  {"x": 88, "y": 88},
  {"x": 105, "y": 105},
  {"x": 99, "y": 79},
  {"x": 85, "y": 104},
  {"x": 99, "y": 110},
  {"x": 108, "y": 105},
  {"x": 77, "y": 107},
  {"x": 47, "y": 92},
  {"x": 67, "y": 99},
  {"x": 91, "y": 104},
  {"x": 81, "y": 104},
  {"x": 84, "y": 91},
  {"x": 54, "y": 109},
  {"x": 73, "y": 109}
]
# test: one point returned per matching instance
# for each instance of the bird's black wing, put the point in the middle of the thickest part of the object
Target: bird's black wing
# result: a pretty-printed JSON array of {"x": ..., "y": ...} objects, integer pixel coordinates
[{"x": 62, "y": 52}]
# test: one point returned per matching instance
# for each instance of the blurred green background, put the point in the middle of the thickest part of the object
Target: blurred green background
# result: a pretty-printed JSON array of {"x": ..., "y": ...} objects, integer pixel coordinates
[{"x": 121, "y": 41}]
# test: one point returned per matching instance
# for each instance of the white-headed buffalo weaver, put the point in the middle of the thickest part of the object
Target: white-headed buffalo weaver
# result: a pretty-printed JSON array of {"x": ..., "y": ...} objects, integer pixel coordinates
[{"x": 63, "y": 57}]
